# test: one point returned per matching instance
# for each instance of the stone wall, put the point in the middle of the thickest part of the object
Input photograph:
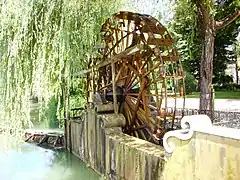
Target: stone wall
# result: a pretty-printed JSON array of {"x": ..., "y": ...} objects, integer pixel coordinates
[
  {"x": 199, "y": 150},
  {"x": 98, "y": 140},
  {"x": 202, "y": 151}
]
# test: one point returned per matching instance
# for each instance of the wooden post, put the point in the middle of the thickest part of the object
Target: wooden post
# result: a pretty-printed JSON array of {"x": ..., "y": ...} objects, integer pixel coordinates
[
  {"x": 114, "y": 88},
  {"x": 213, "y": 99},
  {"x": 92, "y": 91}
]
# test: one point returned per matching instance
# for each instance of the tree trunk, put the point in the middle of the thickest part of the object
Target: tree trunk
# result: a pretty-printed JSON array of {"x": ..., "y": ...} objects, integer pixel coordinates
[
  {"x": 207, "y": 27},
  {"x": 237, "y": 78},
  {"x": 236, "y": 63},
  {"x": 207, "y": 24},
  {"x": 206, "y": 70}
]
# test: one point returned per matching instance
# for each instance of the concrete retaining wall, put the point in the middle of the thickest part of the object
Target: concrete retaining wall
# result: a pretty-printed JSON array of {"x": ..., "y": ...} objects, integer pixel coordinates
[
  {"x": 202, "y": 151},
  {"x": 198, "y": 151},
  {"x": 99, "y": 141}
]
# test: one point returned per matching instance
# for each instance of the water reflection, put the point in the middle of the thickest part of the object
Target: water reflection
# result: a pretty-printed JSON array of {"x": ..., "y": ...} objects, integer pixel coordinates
[{"x": 30, "y": 162}]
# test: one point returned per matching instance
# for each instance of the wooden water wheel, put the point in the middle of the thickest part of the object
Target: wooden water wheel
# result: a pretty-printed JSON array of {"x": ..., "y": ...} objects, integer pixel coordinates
[{"x": 139, "y": 64}]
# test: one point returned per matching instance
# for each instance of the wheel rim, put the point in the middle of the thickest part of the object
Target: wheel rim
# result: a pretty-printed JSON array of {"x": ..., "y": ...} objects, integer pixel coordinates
[{"x": 146, "y": 62}]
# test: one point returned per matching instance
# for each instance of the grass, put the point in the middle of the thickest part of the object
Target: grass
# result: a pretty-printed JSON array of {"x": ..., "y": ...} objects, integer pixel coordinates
[{"x": 219, "y": 95}]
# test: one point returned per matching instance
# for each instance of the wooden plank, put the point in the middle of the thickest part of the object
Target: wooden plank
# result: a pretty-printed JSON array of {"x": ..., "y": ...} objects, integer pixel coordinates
[
  {"x": 170, "y": 58},
  {"x": 128, "y": 29},
  {"x": 139, "y": 127},
  {"x": 160, "y": 42},
  {"x": 115, "y": 105},
  {"x": 151, "y": 25},
  {"x": 130, "y": 51},
  {"x": 30, "y": 136},
  {"x": 126, "y": 16},
  {"x": 154, "y": 29},
  {"x": 44, "y": 138}
]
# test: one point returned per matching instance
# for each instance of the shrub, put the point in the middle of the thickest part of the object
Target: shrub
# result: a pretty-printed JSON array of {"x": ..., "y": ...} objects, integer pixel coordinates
[
  {"x": 227, "y": 87},
  {"x": 51, "y": 114},
  {"x": 190, "y": 83}
]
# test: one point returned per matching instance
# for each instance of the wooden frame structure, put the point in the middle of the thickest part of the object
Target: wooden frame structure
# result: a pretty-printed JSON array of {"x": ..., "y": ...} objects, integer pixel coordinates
[{"x": 140, "y": 70}]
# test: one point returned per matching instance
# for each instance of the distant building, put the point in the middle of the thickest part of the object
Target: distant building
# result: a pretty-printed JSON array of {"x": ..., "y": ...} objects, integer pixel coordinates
[
  {"x": 234, "y": 68},
  {"x": 231, "y": 71}
]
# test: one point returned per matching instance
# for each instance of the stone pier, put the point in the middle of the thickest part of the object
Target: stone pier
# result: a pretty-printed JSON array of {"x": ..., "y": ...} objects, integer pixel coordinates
[{"x": 98, "y": 140}]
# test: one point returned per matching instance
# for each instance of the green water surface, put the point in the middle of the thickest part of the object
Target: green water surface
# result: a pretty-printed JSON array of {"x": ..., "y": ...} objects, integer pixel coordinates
[{"x": 30, "y": 162}]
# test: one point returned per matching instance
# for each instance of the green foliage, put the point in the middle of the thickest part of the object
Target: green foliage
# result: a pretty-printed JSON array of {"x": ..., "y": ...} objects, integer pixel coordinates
[
  {"x": 77, "y": 92},
  {"x": 224, "y": 37},
  {"x": 186, "y": 31},
  {"x": 43, "y": 42},
  {"x": 190, "y": 83},
  {"x": 51, "y": 114},
  {"x": 223, "y": 79},
  {"x": 227, "y": 87}
]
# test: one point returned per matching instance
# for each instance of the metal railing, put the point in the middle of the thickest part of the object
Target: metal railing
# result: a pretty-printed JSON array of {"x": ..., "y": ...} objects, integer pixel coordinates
[{"x": 218, "y": 116}]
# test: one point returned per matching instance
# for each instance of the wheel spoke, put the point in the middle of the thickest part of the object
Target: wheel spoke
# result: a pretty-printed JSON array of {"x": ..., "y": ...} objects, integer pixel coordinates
[{"x": 146, "y": 66}]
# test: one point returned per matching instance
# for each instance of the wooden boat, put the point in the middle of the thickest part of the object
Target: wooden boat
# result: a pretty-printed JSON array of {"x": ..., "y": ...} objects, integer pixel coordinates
[{"x": 48, "y": 139}]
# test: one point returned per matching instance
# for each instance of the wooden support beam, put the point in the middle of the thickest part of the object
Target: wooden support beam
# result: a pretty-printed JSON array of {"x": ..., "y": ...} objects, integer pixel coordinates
[
  {"x": 130, "y": 51},
  {"x": 153, "y": 29},
  {"x": 170, "y": 58},
  {"x": 55, "y": 142},
  {"x": 114, "y": 88},
  {"x": 160, "y": 42},
  {"x": 26, "y": 140},
  {"x": 44, "y": 138}
]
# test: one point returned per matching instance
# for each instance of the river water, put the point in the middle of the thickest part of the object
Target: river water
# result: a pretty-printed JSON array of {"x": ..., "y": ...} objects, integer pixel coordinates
[{"x": 30, "y": 162}]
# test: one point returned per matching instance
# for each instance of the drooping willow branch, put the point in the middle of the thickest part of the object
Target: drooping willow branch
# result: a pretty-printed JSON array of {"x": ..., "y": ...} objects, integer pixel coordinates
[{"x": 41, "y": 42}]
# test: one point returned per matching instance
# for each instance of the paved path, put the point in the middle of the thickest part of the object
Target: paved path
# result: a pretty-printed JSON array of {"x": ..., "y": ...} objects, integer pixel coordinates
[{"x": 220, "y": 104}]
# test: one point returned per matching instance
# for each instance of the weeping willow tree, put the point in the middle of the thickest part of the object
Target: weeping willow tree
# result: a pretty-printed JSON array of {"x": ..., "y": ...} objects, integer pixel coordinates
[{"x": 42, "y": 42}]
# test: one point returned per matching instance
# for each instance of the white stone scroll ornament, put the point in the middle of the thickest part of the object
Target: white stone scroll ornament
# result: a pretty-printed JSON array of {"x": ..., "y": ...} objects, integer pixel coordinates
[{"x": 189, "y": 124}]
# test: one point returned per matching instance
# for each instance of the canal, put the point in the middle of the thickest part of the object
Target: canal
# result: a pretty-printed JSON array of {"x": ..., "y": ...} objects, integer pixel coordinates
[{"x": 23, "y": 161}]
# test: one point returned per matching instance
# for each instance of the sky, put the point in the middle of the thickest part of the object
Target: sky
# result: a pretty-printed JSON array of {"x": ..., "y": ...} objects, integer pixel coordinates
[{"x": 153, "y": 8}]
